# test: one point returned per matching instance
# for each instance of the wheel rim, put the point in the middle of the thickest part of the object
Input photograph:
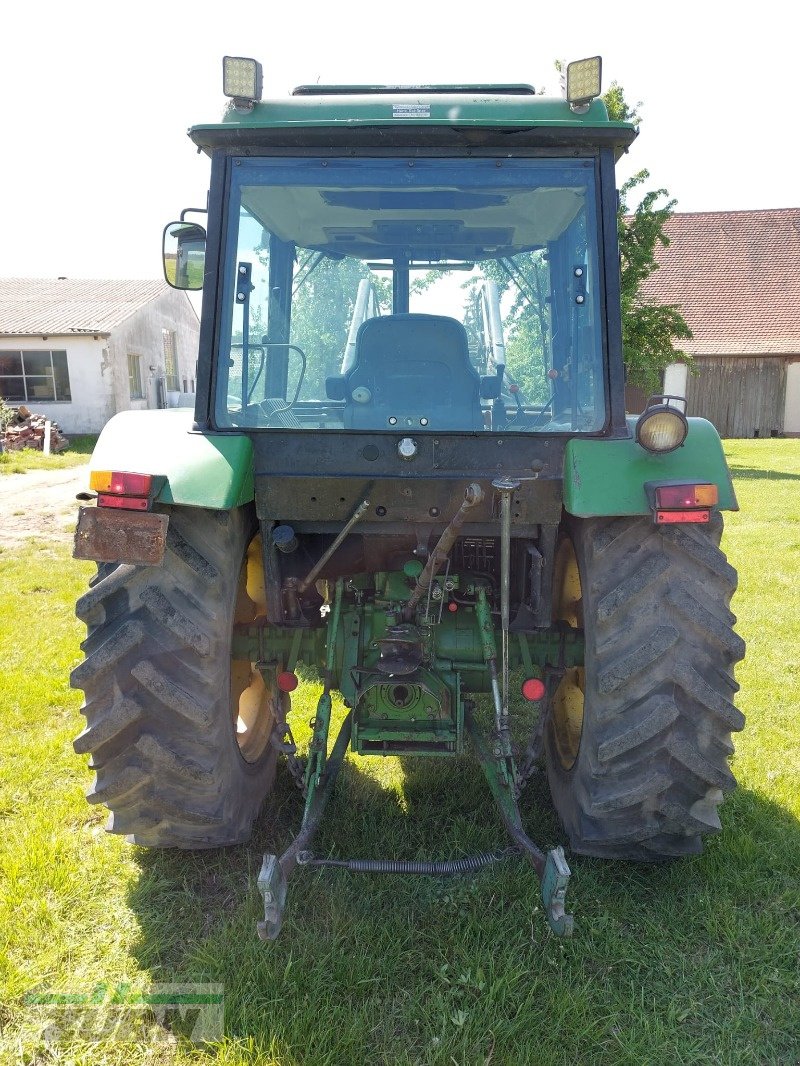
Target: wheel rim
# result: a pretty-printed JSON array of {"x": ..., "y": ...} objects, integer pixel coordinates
[
  {"x": 252, "y": 700},
  {"x": 567, "y": 707}
]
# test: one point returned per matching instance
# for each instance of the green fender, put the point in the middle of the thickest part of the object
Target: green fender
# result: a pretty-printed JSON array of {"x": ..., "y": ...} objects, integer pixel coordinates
[
  {"x": 213, "y": 470},
  {"x": 607, "y": 477}
]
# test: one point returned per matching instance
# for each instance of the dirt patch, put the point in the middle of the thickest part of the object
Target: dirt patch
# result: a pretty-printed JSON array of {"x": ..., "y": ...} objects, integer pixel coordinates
[{"x": 40, "y": 504}]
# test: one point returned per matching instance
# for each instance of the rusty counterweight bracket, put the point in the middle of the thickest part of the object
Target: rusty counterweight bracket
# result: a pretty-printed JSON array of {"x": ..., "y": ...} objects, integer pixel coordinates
[{"x": 121, "y": 536}]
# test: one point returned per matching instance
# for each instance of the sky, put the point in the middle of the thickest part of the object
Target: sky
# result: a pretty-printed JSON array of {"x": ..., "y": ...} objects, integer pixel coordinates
[{"x": 96, "y": 98}]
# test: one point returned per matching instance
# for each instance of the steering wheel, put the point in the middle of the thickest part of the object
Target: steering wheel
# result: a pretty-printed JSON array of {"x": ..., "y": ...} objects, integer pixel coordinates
[{"x": 271, "y": 406}]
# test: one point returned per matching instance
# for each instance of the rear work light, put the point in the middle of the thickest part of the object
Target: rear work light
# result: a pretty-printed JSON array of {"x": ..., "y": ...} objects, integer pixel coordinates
[
  {"x": 243, "y": 80},
  {"x": 583, "y": 81},
  {"x": 682, "y": 502},
  {"x": 661, "y": 426},
  {"x": 119, "y": 488}
]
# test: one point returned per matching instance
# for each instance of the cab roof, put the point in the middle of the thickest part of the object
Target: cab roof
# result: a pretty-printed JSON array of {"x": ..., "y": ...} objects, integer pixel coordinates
[{"x": 428, "y": 116}]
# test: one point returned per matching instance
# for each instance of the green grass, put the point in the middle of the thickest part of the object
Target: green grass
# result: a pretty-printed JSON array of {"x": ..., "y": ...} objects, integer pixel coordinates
[
  {"x": 695, "y": 962},
  {"x": 78, "y": 452}
]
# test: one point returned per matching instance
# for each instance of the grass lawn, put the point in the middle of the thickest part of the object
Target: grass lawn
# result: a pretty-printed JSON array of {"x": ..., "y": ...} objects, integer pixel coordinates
[
  {"x": 79, "y": 450},
  {"x": 695, "y": 962}
]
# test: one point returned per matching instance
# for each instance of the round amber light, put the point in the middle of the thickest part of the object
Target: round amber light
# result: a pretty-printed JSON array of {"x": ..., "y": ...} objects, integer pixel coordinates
[{"x": 661, "y": 429}]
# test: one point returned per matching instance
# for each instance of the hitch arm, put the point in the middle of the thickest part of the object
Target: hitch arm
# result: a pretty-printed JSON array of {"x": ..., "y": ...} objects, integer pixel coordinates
[
  {"x": 275, "y": 872},
  {"x": 551, "y": 869},
  {"x": 321, "y": 773}
]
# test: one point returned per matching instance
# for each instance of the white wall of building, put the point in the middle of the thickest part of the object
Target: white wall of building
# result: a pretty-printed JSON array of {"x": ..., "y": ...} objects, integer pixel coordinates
[
  {"x": 141, "y": 335},
  {"x": 791, "y": 416},
  {"x": 91, "y": 380},
  {"x": 98, "y": 365},
  {"x": 675, "y": 378}
]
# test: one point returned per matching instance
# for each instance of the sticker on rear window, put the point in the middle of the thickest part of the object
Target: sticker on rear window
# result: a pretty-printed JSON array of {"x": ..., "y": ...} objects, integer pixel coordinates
[{"x": 411, "y": 110}]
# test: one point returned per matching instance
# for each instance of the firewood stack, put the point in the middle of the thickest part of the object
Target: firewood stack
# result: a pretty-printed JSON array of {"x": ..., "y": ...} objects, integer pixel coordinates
[{"x": 26, "y": 430}]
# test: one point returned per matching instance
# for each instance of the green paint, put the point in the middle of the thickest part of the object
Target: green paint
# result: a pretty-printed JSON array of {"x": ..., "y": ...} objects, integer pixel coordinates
[
  {"x": 421, "y": 715},
  {"x": 454, "y": 646},
  {"x": 607, "y": 477},
  {"x": 483, "y": 617},
  {"x": 554, "y": 890},
  {"x": 394, "y": 586},
  {"x": 421, "y": 712},
  {"x": 275, "y": 646},
  {"x": 200, "y": 469},
  {"x": 318, "y": 748},
  {"x": 413, "y": 568},
  {"x": 435, "y": 109},
  {"x": 496, "y": 772}
]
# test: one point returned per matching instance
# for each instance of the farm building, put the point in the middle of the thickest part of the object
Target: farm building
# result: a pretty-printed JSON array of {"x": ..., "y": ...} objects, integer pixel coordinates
[
  {"x": 736, "y": 277},
  {"x": 80, "y": 351}
]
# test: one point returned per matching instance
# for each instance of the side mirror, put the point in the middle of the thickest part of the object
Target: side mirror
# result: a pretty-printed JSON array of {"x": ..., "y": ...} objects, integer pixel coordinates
[{"x": 184, "y": 253}]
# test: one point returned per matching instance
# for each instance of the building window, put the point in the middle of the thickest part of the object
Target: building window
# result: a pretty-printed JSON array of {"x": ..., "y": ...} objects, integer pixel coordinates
[
  {"x": 170, "y": 360},
  {"x": 34, "y": 377},
  {"x": 135, "y": 377}
]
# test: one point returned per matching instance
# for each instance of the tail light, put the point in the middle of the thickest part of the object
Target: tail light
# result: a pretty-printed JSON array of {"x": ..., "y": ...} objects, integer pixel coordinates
[
  {"x": 122, "y": 489},
  {"x": 683, "y": 496},
  {"x": 675, "y": 502}
]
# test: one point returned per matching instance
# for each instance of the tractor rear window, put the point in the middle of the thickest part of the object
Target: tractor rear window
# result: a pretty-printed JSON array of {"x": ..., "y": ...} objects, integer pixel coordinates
[{"x": 433, "y": 295}]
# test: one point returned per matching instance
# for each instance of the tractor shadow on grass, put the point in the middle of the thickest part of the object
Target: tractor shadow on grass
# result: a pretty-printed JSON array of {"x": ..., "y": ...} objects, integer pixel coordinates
[
  {"x": 418, "y": 809},
  {"x": 365, "y": 946},
  {"x": 748, "y": 473}
]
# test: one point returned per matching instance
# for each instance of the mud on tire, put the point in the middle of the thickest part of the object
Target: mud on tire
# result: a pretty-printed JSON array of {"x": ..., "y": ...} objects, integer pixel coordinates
[
  {"x": 157, "y": 678},
  {"x": 651, "y": 764}
]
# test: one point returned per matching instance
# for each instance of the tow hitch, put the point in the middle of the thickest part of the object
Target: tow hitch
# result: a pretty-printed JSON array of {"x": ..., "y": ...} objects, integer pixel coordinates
[{"x": 496, "y": 760}]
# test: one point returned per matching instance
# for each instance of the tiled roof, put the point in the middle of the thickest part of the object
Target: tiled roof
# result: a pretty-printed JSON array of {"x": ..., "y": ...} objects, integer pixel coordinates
[
  {"x": 62, "y": 306},
  {"x": 736, "y": 277}
]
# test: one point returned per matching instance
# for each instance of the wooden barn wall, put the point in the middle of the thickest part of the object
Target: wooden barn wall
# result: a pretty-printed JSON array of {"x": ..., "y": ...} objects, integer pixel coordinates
[{"x": 742, "y": 397}]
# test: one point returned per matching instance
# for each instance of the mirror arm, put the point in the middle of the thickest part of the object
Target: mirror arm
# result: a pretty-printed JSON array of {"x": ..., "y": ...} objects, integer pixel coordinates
[{"x": 192, "y": 211}]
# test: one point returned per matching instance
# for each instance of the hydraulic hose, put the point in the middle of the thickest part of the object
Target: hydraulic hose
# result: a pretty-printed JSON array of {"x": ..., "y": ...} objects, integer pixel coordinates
[{"x": 472, "y": 497}]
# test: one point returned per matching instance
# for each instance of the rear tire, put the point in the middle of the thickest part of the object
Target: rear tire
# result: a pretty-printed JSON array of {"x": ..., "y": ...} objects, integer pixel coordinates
[
  {"x": 163, "y": 697},
  {"x": 639, "y": 774}
]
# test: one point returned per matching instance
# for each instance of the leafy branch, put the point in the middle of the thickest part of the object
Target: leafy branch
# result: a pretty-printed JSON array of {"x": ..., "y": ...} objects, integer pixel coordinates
[{"x": 649, "y": 329}]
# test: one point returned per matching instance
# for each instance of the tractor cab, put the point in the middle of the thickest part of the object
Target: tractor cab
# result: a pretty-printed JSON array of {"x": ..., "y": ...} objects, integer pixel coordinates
[
  {"x": 374, "y": 277},
  {"x": 418, "y": 294}
]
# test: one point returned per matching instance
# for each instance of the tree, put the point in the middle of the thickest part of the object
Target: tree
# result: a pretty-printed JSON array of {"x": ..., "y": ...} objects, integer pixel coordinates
[{"x": 649, "y": 329}]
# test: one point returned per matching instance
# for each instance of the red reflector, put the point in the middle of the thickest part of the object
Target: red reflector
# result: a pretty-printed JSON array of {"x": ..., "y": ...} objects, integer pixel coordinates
[
  {"x": 287, "y": 681},
  {"x": 680, "y": 496},
  {"x": 533, "y": 689},
  {"x": 663, "y": 517},
  {"x": 453, "y": 607},
  {"x": 126, "y": 503}
]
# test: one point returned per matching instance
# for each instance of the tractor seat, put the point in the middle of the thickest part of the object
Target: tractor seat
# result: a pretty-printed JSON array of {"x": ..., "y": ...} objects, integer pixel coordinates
[{"x": 410, "y": 371}]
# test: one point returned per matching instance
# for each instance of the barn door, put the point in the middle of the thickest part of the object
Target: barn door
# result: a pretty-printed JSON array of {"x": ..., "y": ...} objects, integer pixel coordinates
[{"x": 742, "y": 397}]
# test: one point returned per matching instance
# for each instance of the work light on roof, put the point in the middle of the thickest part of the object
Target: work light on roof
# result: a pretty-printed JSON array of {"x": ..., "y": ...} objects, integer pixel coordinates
[
  {"x": 242, "y": 80},
  {"x": 583, "y": 82}
]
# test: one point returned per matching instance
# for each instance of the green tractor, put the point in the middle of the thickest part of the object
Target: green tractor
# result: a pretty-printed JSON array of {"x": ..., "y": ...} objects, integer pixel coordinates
[{"x": 410, "y": 466}]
